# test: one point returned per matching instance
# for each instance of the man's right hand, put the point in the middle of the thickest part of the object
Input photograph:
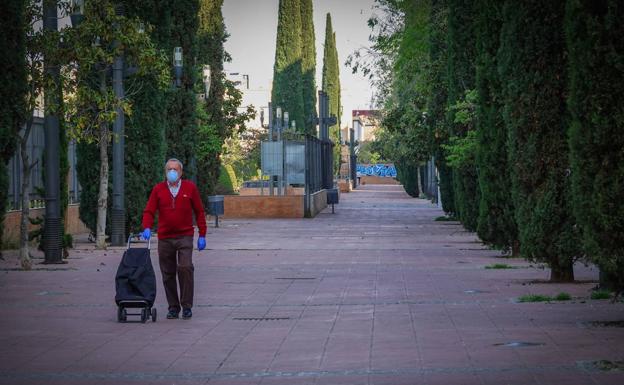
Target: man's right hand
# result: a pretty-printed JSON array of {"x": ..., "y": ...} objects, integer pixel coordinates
[{"x": 146, "y": 234}]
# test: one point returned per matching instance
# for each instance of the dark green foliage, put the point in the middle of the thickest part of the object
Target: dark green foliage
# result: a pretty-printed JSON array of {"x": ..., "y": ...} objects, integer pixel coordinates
[
  {"x": 535, "y": 298},
  {"x": 331, "y": 85},
  {"x": 175, "y": 24},
  {"x": 308, "y": 67},
  {"x": 437, "y": 99},
  {"x": 406, "y": 136},
  {"x": 213, "y": 128},
  {"x": 499, "y": 266},
  {"x": 532, "y": 59},
  {"x": 601, "y": 294},
  {"x": 4, "y": 185},
  {"x": 461, "y": 79},
  {"x": 227, "y": 180},
  {"x": 13, "y": 90},
  {"x": 181, "y": 133},
  {"x": 144, "y": 152},
  {"x": 496, "y": 223},
  {"x": 145, "y": 143},
  {"x": 13, "y": 108},
  {"x": 88, "y": 170},
  {"x": 407, "y": 175},
  {"x": 287, "y": 71},
  {"x": 594, "y": 31}
]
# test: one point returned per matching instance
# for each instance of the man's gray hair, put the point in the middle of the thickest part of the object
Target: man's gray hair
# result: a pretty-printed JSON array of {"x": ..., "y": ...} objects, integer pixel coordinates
[{"x": 174, "y": 160}]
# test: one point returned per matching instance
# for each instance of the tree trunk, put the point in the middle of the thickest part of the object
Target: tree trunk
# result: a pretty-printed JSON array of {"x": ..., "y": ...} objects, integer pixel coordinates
[
  {"x": 25, "y": 260},
  {"x": 421, "y": 193},
  {"x": 561, "y": 272},
  {"x": 100, "y": 240},
  {"x": 515, "y": 248}
]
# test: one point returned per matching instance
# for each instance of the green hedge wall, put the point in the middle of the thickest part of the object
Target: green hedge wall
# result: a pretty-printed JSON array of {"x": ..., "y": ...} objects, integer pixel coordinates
[
  {"x": 496, "y": 224},
  {"x": 594, "y": 31},
  {"x": 532, "y": 63}
]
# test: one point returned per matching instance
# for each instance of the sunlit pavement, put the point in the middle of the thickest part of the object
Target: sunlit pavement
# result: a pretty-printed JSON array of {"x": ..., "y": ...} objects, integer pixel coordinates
[{"x": 377, "y": 293}]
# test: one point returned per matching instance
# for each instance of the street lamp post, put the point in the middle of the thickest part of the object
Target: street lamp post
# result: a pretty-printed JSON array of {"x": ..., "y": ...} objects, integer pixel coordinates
[
  {"x": 284, "y": 175},
  {"x": 52, "y": 233},
  {"x": 177, "y": 65},
  {"x": 118, "y": 218},
  {"x": 206, "y": 76},
  {"x": 278, "y": 128}
]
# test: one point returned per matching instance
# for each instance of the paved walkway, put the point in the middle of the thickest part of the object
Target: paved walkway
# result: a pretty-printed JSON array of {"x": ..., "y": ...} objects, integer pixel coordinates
[{"x": 377, "y": 293}]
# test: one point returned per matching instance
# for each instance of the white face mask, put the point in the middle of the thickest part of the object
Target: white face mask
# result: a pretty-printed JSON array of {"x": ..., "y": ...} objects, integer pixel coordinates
[{"x": 172, "y": 176}]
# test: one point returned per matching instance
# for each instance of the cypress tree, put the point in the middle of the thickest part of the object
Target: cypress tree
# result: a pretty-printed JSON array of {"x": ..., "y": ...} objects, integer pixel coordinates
[
  {"x": 308, "y": 66},
  {"x": 461, "y": 78},
  {"x": 331, "y": 85},
  {"x": 287, "y": 71},
  {"x": 13, "y": 92},
  {"x": 594, "y": 32},
  {"x": 436, "y": 104},
  {"x": 532, "y": 59},
  {"x": 496, "y": 223}
]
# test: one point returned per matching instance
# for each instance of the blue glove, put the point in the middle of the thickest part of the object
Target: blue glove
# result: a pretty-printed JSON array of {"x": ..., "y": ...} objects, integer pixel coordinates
[
  {"x": 201, "y": 243},
  {"x": 146, "y": 234}
]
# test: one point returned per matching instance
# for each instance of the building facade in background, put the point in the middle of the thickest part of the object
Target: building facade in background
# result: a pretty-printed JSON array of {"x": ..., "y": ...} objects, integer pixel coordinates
[{"x": 365, "y": 124}]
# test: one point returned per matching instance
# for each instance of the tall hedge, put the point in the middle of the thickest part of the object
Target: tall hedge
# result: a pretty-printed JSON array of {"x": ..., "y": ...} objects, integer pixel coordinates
[
  {"x": 594, "y": 32},
  {"x": 308, "y": 68},
  {"x": 436, "y": 103},
  {"x": 145, "y": 142},
  {"x": 407, "y": 174},
  {"x": 213, "y": 129},
  {"x": 287, "y": 71},
  {"x": 181, "y": 133},
  {"x": 145, "y": 151},
  {"x": 88, "y": 171},
  {"x": 331, "y": 85},
  {"x": 496, "y": 224},
  {"x": 532, "y": 63},
  {"x": 13, "y": 90},
  {"x": 461, "y": 78}
]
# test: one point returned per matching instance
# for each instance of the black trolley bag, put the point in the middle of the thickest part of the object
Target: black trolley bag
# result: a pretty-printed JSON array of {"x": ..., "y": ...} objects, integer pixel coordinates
[{"x": 135, "y": 284}]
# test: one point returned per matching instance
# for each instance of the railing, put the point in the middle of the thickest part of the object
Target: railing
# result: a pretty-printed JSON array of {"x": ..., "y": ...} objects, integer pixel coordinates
[{"x": 35, "y": 147}]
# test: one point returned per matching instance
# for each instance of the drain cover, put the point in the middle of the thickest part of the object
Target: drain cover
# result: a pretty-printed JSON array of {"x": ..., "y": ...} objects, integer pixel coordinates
[
  {"x": 260, "y": 318},
  {"x": 301, "y": 278},
  {"x": 519, "y": 344}
]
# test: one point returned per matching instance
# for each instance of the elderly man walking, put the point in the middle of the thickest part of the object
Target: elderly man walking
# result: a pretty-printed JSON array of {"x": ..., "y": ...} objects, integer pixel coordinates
[{"x": 176, "y": 200}]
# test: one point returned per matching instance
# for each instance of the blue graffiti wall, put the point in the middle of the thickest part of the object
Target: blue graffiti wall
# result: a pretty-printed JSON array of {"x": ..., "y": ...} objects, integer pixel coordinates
[{"x": 380, "y": 169}]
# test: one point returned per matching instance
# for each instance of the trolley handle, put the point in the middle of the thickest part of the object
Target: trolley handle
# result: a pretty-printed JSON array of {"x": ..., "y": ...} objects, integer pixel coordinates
[{"x": 149, "y": 241}]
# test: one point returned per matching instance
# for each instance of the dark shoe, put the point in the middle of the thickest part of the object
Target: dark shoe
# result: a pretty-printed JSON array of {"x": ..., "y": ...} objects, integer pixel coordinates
[
  {"x": 173, "y": 314},
  {"x": 187, "y": 313}
]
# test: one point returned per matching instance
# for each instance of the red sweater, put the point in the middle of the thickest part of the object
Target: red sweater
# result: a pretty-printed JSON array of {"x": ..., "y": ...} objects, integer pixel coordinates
[{"x": 175, "y": 215}]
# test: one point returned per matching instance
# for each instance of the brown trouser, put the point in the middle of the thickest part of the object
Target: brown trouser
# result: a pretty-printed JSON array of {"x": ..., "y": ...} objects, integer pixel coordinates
[{"x": 175, "y": 256}]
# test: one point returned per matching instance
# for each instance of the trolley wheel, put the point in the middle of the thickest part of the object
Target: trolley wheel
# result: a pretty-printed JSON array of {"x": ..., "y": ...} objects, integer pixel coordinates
[
  {"x": 119, "y": 315},
  {"x": 122, "y": 314},
  {"x": 144, "y": 315},
  {"x": 153, "y": 314}
]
